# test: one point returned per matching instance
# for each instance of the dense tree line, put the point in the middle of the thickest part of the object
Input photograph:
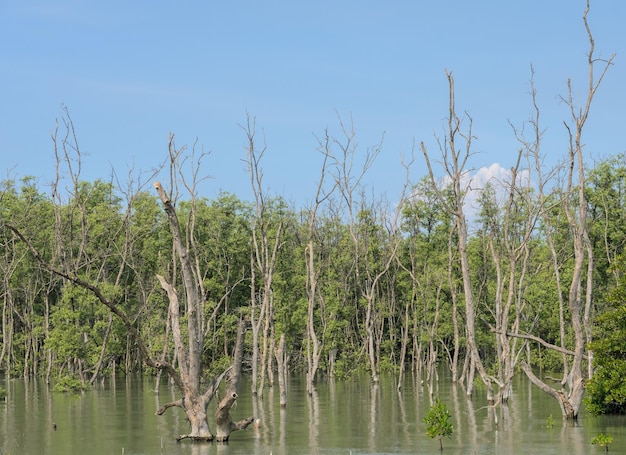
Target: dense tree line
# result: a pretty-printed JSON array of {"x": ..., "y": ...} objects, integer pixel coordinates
[
  {"x": 350, "y": 282},
  {"x": 354, "y": 287}
]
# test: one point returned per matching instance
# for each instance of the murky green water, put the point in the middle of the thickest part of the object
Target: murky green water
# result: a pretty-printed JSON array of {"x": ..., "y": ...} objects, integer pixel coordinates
[{"x": 341, "y": 418}]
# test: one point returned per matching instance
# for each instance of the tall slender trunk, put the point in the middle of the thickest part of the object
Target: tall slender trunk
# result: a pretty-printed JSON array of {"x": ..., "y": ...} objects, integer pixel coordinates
[
  {"x": 574, "y": 206},
  {"x": 470, "y": 312},
  {"x": 189, "y": 352},
  {"x": 282, "y": 369},
  {"x": 313, "y": 351},
  {"x": 256, "y": 320},
  {"x": 454, "y": 365},
  {"x": 454, "y": 165}
]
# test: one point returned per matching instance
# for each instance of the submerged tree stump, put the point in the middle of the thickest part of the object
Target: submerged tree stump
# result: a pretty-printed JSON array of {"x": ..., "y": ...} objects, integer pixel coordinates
[{"x": 223, "y": 420}]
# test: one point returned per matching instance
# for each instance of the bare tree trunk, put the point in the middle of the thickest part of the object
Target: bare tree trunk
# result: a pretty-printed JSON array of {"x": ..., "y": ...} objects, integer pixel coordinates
[
  {"x": 454, "y": 164},
  {"x": 194, "y": 402},
  {"x": 454, "y": 364},
  {"x": 264, "y": 256},
  {"x": 508, "y": 246},
  {"x": 314, "y": 351},
  {"x": 404, "y": 328},
  {"x": 224, "y": 422},
  {"x": 189, "y": 353},
  {"x": 431, "y": 369},
  {"x": 255, "y": 321},
  {"x": 314, "y": 345},
  {"x": 575, "y": 207},
  {"x": 282, "y": 367}
]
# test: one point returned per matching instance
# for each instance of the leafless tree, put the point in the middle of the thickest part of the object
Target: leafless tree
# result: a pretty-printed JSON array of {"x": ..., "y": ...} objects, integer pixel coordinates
[
  {"x": 195, "y": 399},
  {"x": 314, "y": 342},
  {"x": 580, "y": 296},
  {"x": 266, "y": 244},
  {"x": 454, "y": 165}
]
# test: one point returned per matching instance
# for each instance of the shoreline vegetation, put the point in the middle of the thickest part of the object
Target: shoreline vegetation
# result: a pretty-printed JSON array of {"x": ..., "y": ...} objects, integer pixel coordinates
[{"x": 111, "y": 276}]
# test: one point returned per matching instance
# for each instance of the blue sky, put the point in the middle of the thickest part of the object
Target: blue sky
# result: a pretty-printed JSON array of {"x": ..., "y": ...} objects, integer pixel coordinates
[{"x": 131, "y": 72}]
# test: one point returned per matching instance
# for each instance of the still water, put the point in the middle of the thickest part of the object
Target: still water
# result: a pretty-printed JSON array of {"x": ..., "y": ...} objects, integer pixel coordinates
[{"x": 353, "y": 417}]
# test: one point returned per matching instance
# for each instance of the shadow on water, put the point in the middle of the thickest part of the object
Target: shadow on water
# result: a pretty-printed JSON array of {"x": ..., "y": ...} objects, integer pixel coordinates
[{"x": 353, "y": 417}]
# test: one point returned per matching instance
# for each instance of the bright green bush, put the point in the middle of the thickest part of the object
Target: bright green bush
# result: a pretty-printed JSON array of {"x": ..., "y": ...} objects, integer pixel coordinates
[
  {"x": 438, "y": 422},
  {"x": 69, "y": 384},
  {"x": 606, "y": 391}
]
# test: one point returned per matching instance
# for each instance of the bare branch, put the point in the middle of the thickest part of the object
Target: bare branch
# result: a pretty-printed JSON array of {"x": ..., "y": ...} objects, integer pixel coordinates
[
  {"x": 539, "y": 340},
  {"x": 171, "y": 404},
  {"x": 132, "y": 330}
]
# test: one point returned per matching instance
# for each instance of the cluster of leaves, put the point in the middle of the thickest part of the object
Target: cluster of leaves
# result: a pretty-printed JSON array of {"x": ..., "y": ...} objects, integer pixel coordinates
[
  {"x": 606, "y": 391},
  {"x": 437, "y": 421},
  {"x": 603, "y": 440},
  {"x": 69, "y": 384}
]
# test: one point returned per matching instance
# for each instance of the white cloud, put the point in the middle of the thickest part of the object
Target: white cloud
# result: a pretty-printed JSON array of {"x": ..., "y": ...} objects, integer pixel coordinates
[{"x": 500, "y": 178}]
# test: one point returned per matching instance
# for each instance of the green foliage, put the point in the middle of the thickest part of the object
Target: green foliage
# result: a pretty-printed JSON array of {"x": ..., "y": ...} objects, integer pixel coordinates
[
  {"x": 438, "y": 422},
  {"x": 120, "y": 241},
  {"x": 550, "y": 422},
  {"x": 3, "y": 393},
  {"x": 603, "y": 440},
  {"x": 606, "y": 196},
  {"x": 216, "y": 368},
  {"x": 69, "y": 384},
  {"x": 606, "y": 391}
]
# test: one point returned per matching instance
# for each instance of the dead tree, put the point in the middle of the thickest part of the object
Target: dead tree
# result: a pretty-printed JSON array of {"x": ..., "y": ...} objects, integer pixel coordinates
[
  {"x": 194, "y": 400},
  {"x": 575, "y": 208},
  {"x": 266, "y": 244},
  {"x": 187, "y": 375},
  {"x": 454, "y": 164},
  {"x": 315, "y": 342},
  {"x": 223, "y": 420},
  {"x": 351, "y": 191}
]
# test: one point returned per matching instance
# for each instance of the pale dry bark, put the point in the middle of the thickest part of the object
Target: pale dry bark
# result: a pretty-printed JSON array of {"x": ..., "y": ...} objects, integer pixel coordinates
[
  {"x": 224, "y": 422},
  {"x": 282, "y": 362},
  {"x": 189, "y": 356},
  {"x": 508, "y": 244},
  {"x": 264, "y": 254},
  {"x": 348, "y": 183},
  {"x": 194, "y": 401},
  {"x": 454, "y": 162},
  {"x": 575, "y": 208},
  {"x": 314, "y": 346},
  {"x": 454, "y": 360},
  {"x": 533, "y": 147},
  {"x": 314, "y": 343},
  {"x": 404, "y": 338}
]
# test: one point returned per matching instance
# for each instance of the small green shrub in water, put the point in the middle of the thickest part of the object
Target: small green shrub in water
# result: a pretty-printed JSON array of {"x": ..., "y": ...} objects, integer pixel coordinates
[
  {"x": 438, "y": 422},
  {"x": 69, "y": 384},
  {"x": 603, "y": 440},
  {"x": 550, "y": 422}
]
